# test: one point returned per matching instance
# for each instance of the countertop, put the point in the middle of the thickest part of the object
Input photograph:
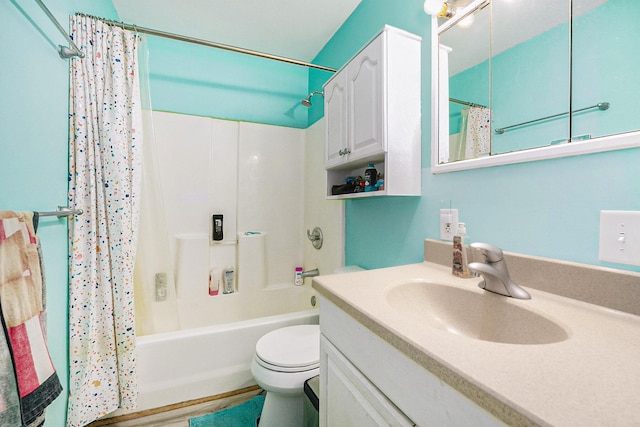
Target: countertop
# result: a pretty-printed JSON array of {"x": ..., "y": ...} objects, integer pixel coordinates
[{"x": 590, "y": 379}]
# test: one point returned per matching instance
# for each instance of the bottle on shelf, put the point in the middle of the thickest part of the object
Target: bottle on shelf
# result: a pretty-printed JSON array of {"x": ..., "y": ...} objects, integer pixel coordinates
[{"x": 370, "y": 178}]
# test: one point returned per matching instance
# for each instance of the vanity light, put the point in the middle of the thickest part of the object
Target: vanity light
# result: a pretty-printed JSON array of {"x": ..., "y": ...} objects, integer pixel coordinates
[
  {"x": 467, "y": 21},
  {"x": 439, "y": 8}
]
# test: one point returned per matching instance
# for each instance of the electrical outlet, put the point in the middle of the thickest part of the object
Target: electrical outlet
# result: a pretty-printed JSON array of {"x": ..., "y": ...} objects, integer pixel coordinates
[{"x": 448, "y": 223}]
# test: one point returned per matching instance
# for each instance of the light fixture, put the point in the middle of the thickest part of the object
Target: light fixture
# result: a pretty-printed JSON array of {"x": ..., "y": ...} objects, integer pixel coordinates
[
  {"x": 467, "y": 21},
  {"x": 439, "y": 8}
]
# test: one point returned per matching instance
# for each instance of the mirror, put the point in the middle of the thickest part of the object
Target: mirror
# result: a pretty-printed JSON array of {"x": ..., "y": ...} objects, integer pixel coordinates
[
  {"x": 504, "y": 85},
  {"x": 466, "y": 77}
]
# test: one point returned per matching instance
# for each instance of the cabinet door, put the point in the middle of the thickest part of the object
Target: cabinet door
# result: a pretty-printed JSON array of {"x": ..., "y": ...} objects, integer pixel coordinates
[
  {"x": 348, "y": 398},
  {"x": 365, "y": 98},
  {"x": 335, "y": 108}
]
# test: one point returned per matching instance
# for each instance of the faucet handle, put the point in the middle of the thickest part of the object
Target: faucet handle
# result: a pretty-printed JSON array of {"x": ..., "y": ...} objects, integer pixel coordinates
[{"x": 491, "y": 253}]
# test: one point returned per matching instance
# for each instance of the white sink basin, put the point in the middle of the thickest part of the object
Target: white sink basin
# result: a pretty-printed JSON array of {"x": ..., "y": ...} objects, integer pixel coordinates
[{"x": 473, "y": 313}]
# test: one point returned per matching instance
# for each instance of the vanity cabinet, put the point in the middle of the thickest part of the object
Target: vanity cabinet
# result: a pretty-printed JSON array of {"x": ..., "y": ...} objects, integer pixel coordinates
[
  {"x": 349, "y": 398},
  {"x": 366, "y": 381},
  {"x": 372, "y": 111}
]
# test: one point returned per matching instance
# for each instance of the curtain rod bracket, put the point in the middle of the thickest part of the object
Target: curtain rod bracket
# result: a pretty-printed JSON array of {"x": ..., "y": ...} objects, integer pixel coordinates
[
  {"x": 64, "y": 51},
  {"x": 67, "y": 53}
]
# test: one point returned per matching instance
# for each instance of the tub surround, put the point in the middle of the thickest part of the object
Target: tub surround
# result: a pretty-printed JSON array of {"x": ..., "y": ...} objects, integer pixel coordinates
[{"x": 591, "y": 378}]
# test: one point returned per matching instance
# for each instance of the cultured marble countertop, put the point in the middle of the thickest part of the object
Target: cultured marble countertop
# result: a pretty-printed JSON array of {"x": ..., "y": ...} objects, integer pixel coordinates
[{"x": 590, "y": 379}]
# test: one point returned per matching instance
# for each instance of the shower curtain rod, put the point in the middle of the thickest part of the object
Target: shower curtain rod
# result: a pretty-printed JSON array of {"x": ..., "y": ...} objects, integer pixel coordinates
[
  {"x": 73, "y": 50},
  {"x": 64, "y": 51},
  {"x": 187, "y": 39},
  {"x": 467, "y": 103}
]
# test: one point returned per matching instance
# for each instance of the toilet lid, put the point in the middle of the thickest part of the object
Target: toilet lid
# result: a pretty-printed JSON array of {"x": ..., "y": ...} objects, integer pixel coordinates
[{"x": 291, "y": 347}]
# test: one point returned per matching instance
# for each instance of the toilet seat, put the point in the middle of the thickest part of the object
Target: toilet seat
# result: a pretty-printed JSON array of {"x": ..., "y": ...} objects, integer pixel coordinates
[{"x": 290, "y": 349}]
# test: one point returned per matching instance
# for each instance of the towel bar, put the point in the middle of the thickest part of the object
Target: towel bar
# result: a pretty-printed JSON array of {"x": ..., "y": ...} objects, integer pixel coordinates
[{"x": 62, "y": 211}]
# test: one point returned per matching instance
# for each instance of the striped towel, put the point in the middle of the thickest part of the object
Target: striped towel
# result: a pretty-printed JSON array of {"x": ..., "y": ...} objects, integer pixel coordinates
[{"x": 22, "y": 309}]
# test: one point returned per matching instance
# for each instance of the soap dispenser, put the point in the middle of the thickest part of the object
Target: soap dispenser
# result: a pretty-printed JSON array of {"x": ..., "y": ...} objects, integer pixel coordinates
[{"x": 460, "y": 260}]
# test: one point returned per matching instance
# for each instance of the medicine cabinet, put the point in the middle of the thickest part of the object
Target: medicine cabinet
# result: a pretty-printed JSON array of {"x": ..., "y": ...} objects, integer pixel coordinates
[
  {"x": 372, "y": 115},
  {"x": 521, "y": 81}
]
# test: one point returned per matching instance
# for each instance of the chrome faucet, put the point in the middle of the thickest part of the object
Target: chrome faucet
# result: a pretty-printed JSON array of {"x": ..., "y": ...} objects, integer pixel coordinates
[
  {"x": 495, "y": 273},
  {"x": 310, "y": 273}
]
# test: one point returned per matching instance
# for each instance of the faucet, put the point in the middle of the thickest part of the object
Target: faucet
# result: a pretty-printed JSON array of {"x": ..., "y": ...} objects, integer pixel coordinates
[
  {"x": 310, "y": 273},
  {"x": 495, "y": 273}
]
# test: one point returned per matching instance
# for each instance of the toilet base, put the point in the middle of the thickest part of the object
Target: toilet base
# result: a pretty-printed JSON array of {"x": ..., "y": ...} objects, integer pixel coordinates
[{"x": 282, "y": 410}]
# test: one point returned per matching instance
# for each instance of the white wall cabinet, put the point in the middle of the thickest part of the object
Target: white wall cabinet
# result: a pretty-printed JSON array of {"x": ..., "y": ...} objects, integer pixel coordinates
[
  {"x": 372, "y": 110},
  {"x": 355, "y": 126}
]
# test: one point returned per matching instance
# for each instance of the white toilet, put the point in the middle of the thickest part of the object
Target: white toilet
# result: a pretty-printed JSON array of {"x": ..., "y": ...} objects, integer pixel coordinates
[{"x": 284, "y": 360}]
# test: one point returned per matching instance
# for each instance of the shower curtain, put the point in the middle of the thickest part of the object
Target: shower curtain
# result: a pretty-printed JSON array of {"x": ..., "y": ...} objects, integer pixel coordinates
[
  {"x": 156, "y": 308},
  {"x": 478, "y": 135},
  {"x": 474, "y": 138},
  {"x": 105, "y": 162},
  {"x": 458, "y": 142}
]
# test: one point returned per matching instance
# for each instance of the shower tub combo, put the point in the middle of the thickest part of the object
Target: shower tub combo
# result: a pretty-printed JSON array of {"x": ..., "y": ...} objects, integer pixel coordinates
[{"x": 211, "y": 354}]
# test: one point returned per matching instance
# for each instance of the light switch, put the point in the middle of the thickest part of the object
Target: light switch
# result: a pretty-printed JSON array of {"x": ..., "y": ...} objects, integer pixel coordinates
[{"x": 620, "y": 237}]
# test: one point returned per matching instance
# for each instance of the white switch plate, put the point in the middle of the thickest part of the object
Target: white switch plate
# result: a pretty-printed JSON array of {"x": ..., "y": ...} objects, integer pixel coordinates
[
  {"x": 448, "y": 224},
  {"x": 620, "y": 237}
]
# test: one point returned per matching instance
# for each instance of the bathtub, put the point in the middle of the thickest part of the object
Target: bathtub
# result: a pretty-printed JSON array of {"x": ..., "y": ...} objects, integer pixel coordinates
[{"x": 175, "y": 367}]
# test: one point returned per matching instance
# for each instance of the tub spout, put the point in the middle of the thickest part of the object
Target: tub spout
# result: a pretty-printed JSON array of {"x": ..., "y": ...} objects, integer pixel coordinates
[{"x": 310, "y": 273}]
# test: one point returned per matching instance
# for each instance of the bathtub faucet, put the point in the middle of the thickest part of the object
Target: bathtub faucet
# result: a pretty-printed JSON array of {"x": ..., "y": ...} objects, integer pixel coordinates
[{"x": 310, "y": 273}]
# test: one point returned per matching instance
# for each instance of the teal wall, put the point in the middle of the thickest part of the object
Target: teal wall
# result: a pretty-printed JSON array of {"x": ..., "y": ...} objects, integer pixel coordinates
[
  {"x": 606, "y": 69},
  {"x": 546, "y": 208},
  {"x": 522, "y": 90},
  {"x": 34, "y": 129},
  {"x": 199, "y": 80}
]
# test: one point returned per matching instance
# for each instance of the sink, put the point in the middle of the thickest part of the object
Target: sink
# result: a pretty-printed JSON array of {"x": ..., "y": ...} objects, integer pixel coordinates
[{"x": 473, "y": 313}]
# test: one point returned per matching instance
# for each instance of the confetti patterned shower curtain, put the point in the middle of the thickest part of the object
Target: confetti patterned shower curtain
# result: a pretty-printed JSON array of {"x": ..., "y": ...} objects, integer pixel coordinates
[
  {"x": 105, "y": 169},
  {"x": 478, "y": 139}
]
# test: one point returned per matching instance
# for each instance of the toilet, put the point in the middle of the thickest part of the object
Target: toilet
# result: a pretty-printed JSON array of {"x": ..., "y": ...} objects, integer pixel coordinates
[{"x": 283, "y": 361}]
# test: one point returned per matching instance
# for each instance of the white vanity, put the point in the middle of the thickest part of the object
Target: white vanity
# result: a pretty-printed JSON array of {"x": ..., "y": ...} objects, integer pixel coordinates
[{"x": 414, "y": 345}]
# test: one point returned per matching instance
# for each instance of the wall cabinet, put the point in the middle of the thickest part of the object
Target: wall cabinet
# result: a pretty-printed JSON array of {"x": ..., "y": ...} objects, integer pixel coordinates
[
  {"x": 355, "y": 127},
  {"x": 372, "y": 111}
]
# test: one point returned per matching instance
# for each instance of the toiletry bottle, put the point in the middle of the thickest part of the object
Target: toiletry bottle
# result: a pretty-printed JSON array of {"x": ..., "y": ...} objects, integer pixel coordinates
[
  {"x": 228, "y": 280},
  {"x": 298, "y": 279},
  {"x": 460, "y": 260},
  {"x": 214, "y": 282},
  {"x": 370, "y": 178}
]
